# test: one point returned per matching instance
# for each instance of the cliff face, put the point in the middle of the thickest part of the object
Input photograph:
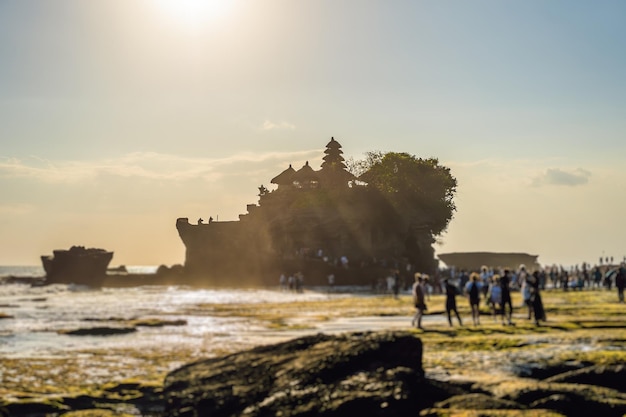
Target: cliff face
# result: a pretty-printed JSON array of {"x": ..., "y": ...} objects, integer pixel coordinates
[
  {"x": 307, "y": 231},
  {"x": 226, "y": 252}
]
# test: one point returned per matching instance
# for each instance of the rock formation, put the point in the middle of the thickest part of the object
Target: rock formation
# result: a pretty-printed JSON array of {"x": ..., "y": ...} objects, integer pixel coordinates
[{"x": 368, "y": 374}]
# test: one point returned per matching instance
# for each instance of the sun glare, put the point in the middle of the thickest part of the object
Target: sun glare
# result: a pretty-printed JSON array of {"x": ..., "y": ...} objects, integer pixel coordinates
[{"x": 194, "y": 13}]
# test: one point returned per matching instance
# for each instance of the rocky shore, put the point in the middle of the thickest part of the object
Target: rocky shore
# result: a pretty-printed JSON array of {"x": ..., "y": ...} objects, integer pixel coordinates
[
  {"x": 366, "y": 374},
  {"x": 572, "y": 366},
  {"x": 371, "y": 374}
]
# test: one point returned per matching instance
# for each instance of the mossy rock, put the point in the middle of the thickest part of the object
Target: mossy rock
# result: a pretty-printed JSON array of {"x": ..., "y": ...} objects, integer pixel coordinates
[
  {"x": 98, "y": 331},
  {"x": 95, "y": 413},
  {"x": 572, "y": 399},
  {"x": 446, "y": 412},
  {"x": 612, "y": 376},
  {"x": 157, "y": 322},
  {"x": 477, "y": 401}
]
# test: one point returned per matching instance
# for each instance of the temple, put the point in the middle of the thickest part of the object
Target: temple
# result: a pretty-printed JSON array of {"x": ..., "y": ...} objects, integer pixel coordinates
[{"x": 310, "y": 222}]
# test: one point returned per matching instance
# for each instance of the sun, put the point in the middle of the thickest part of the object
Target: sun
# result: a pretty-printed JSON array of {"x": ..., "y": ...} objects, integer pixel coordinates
[{"x": 193, "y": 13}]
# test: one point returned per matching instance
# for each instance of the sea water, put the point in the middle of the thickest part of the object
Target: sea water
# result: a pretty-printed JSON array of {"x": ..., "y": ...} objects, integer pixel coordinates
[{"x": 36, "y": 316}]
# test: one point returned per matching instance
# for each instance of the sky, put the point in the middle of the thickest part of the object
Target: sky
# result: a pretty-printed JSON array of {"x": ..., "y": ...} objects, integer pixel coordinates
[{"x": 119, "y": 116}]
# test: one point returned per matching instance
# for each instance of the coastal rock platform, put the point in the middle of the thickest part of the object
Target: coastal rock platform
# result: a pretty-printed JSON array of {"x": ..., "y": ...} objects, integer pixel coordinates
[{"x": 366, "y": 374}]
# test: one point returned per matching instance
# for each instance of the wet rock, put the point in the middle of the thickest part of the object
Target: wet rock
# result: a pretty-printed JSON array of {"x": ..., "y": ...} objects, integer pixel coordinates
[
  {"x": 477, "y": 401},
  {"x": 34, "y": 409},
  {"x": 572, "y": 399},
  {"x": 98, "y": 331},
  {"x": 543, "y": 371},
  {"x": 611, "y": 376},
  {"x": 366, "y": 374}
]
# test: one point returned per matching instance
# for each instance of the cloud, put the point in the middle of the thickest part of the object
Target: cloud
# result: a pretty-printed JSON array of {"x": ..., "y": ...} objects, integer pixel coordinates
[
  {"x": 152, "y": 166},
  {"x": 556, "y": 176},
  {"x": 18, "y": 208},
  {"x": 267, "y": 125}
]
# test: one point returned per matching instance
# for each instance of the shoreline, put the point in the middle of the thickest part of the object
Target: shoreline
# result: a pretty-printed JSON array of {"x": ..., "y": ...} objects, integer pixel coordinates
[{"x": 487, "y": 354}]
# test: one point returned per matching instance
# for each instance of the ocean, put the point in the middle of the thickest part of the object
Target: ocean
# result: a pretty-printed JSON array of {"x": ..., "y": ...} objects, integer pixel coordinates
[
  {"x": 33, "y": 320},
  {"x": 37, "y": 270},
  {"x": 37, "y": 314}
]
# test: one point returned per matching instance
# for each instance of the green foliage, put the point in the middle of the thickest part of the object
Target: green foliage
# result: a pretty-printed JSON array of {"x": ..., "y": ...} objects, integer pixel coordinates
[{"x": 419, "y": 189}]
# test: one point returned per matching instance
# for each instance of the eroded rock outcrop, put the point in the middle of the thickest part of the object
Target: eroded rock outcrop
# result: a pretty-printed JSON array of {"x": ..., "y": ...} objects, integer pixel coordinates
[{"x": 369, "y": 374}]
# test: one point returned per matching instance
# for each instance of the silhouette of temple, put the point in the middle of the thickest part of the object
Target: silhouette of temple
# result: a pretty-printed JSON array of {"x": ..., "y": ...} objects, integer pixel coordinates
[{"x": 309, "y": 221}]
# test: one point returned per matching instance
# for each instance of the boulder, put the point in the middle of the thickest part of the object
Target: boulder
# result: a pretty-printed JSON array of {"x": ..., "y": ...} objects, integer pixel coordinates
[{"x": 365, "y": 374}]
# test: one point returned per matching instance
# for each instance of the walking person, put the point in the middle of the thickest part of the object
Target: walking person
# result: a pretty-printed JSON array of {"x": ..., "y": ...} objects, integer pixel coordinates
[
  {"x": 507, "y": 304},
  {"x": 472, "y": 289},
  {"x": 535, "y": 298},
  {"x": 620, "y": 282},
  {"x": 451, "y": 292},
  {"x": 525, "y": 289},
  {"x": 418, "y": 301},
  {"x": 494, "y": 298}
]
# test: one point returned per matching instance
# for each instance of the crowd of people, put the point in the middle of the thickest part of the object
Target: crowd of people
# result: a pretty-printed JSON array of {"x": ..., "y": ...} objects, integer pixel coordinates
[
  {"x": 291, "y": 282},
  {"x": 494, "y": 289}
]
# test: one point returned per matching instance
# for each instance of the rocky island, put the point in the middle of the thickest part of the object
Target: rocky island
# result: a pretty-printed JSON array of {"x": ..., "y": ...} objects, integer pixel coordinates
[{"x": 328, "y": 221}]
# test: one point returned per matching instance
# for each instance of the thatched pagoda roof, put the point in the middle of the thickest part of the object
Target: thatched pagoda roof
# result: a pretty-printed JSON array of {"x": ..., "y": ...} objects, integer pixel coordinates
[
  {"x": 333, "y": 144},
  {"x": 305, "y": 174},
  {"x": 285, "y": 177}
]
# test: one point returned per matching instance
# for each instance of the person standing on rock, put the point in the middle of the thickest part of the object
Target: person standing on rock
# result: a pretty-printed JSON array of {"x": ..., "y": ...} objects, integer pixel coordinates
[
  {"x": 451, "y": 292},
  {"x": 472, "y": 289},
  {"x": 418, "y": 301}
]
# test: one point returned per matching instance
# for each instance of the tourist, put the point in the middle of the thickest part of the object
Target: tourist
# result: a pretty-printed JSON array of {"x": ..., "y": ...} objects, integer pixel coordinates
[
  {"x": 485, "y": 279},
  {"x": 396, "y": 283},
  {"x": 418, "y": 301},
  {"x": 525, "y": 289},
  {"x": 451, "y": 291},
  {"x": 428, "y": 289},
  {"x": 494, "y": 298},
  {"x": 472, "y": 289},
  {"x": 597, "y": 277},
  {"x": 608, "y": 278},
  {"x": 564, "y": 279},
  {"x": 535, "y": 298},
  {"x": 507, "y": 304},
  {"x": 620, "y": 282},
  {"x": 391, "y": 282},
  {"x": 463, "y": 278},
  {"x": 331, "y": 282},
  {"x": 299, "y": 282}
]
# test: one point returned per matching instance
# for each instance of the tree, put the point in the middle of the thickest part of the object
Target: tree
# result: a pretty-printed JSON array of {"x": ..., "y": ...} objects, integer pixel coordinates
[{"x": 420, "y": 191}]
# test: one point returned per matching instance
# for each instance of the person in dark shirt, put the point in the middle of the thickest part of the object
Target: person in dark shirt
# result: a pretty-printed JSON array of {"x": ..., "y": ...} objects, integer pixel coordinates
[
  {"x": 472, "y": 289},
  {"x": 451, "y": 292},
  {"x": 507, "y": 305}
]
